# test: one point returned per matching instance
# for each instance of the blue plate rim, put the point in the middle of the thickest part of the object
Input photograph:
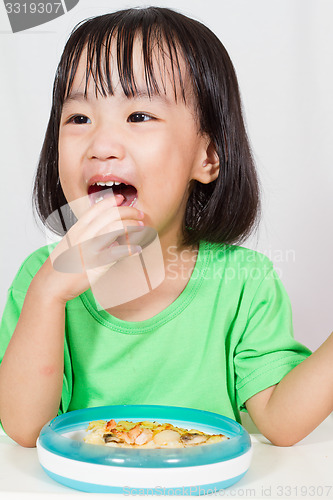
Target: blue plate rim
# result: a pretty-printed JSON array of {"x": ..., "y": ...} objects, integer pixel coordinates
[{"x": 50, "y": 437}]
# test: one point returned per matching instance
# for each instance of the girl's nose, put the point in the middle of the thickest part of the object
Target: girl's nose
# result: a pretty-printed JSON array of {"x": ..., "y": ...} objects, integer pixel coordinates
[{"x": 106, "y": 144}]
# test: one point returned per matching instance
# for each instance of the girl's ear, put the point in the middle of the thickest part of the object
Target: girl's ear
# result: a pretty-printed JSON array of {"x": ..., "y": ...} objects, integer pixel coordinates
[{"x": 208, "y": 166}]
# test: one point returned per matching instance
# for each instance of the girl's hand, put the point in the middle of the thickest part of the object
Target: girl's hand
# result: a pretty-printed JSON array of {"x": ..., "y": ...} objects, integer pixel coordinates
[{"x": 90, "y": 245}]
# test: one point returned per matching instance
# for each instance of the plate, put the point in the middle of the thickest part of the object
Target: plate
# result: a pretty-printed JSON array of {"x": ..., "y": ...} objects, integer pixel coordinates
[{"x": 179, "y": 471}]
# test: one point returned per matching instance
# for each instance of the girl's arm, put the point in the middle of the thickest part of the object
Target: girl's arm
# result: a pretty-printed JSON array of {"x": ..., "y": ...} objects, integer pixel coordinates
[
  {"x": 289, "y": 411},
  {"x": 31, "y": 372}
]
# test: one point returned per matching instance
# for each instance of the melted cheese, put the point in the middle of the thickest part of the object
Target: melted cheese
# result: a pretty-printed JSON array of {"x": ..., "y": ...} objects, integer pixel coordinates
[{"x": 146, "y": 434}]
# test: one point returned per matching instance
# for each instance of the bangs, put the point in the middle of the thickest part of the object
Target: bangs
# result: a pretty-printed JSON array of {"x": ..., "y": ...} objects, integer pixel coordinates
[{"x": 114, "y": 38}]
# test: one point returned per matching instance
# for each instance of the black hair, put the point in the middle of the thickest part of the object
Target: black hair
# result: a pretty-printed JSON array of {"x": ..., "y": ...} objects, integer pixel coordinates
[{"x": 223, "y": 211}]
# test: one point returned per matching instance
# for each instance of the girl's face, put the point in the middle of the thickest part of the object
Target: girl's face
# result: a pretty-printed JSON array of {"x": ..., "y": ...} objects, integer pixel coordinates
[{"x": 152, "y": 144}]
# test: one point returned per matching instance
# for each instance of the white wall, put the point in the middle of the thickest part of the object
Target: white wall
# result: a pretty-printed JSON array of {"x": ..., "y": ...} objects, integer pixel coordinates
[{"x": 283, "y": 54}]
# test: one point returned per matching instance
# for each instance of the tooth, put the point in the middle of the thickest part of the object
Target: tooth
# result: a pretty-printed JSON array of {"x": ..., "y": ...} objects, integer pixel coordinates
[
  {"x": 131, "y": 204},
  {"x": 108, "y": 183}
]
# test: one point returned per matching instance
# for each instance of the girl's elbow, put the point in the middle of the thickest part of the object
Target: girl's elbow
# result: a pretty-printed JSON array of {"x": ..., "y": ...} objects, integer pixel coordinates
[
  {"x": 26, "y": 441},
  {"x": 282, "y": 442},
  {"x": 282, "y": 439},
  {"x": 24, "y": 438}
]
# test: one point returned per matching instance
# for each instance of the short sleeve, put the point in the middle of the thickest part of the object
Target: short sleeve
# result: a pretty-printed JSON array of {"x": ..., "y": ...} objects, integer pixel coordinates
[
  {"x": 267, "y": 350},
  {"x": 10, "y": 318},
  {"x": 16, "y": 295}
]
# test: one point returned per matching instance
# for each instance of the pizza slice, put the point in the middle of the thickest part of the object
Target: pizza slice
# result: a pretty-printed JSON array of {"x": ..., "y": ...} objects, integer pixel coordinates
[{"x": 127, "y": 434}]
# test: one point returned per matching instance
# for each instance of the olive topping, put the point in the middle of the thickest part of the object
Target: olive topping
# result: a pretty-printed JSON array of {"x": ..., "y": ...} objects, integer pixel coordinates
[
  {"x": 111, "y": 438},
  {"x": 193, "y": 437}
]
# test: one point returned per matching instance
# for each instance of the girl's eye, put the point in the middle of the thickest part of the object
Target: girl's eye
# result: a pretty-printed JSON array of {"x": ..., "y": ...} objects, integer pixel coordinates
[
  {"x": 139, "y": 117},
  {"x": 79, "y": 120}
]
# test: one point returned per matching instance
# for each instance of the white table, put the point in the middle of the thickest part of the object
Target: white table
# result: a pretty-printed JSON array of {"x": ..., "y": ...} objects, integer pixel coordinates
[{"x": 302, "y": 471}]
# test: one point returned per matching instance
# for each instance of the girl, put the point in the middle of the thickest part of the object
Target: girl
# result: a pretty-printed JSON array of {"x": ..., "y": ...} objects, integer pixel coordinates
[{"x": 148, "y": 98}]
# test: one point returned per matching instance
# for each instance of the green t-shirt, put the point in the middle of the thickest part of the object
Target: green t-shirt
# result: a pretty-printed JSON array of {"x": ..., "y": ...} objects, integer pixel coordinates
[{"x": 227, "y": 336}]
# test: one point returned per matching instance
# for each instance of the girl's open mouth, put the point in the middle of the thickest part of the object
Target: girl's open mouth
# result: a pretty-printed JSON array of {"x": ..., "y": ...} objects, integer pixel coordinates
[{"x": 99, "y": 191}]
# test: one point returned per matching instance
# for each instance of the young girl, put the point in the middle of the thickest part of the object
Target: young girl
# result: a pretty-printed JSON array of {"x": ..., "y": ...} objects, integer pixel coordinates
[{"x": 149, "y": 98}]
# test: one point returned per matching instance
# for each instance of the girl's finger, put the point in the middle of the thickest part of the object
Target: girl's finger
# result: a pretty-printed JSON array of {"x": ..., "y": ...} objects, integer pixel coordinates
[
  {"x": 112, "y": 254},
  {"x": 104, "y": 232},
  {"x": 108, "y": 235},
  {"x": 92, "y": 224},
  {"x": 112, "y": 203},
  {"x": 82, "y": 257}
]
